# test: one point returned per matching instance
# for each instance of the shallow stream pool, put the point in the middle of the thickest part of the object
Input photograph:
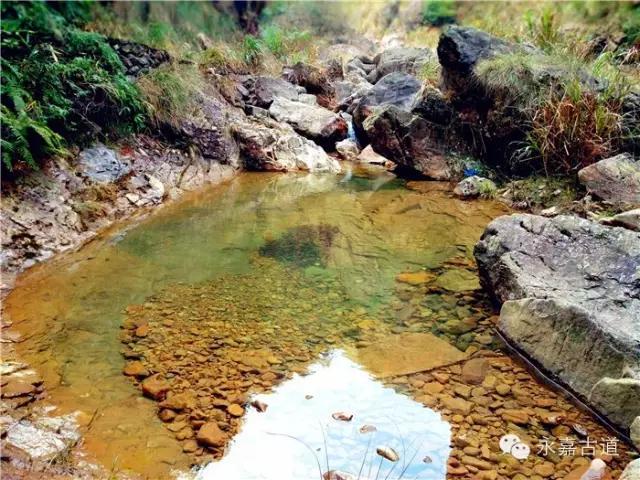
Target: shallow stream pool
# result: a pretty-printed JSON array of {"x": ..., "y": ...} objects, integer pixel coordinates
[{"x": 317, "y": 297}]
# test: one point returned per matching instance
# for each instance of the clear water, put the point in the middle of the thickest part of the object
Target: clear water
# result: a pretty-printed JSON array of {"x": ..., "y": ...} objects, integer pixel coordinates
[{"x": 70, "y": 310}]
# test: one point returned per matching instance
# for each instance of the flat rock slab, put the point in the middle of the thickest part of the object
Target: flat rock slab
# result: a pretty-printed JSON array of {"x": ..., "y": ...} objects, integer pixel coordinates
[{"x": 408, "y": 353}]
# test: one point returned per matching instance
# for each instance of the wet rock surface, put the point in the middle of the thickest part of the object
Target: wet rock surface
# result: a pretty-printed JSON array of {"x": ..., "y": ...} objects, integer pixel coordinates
[
  {"x": 409, "y": 141},
  {"x": 589, "y": 301},
  {"x": 261, "y": 91},
  {"x": 101, "y": 164},
  {"x": 398, "y": 89},
  {"x": 54, "y": 209},
  {"x": 399, "y": 59}
]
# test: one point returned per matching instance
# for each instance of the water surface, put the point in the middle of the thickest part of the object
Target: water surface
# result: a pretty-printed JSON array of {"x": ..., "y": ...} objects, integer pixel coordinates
[{"x": 341, "y": 240}]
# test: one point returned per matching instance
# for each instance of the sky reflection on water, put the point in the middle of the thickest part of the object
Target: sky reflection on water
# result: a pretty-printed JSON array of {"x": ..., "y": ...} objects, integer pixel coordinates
[{"x": 264, "y": 449}]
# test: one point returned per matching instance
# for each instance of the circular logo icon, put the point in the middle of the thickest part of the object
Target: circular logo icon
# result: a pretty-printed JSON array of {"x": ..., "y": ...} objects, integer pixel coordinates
[
  {"x": 512, "y": 445},
  {"x": 508, "y": 441},
  {"x": 520, "y": 451}
]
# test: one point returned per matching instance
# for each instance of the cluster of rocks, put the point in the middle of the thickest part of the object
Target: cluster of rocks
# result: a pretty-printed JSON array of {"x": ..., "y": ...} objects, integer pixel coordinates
[
  {"x": 201, "y": 352},
  {"x": 489, "y": 396},
  {"x": 64, "y": 205},
  {"x": 138, "y": 58},
  {"x": 31, "y": 437},
  {"x": 616, "y": 182}
]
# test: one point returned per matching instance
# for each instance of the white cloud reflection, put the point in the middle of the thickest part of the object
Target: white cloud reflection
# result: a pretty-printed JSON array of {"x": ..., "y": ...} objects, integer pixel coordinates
[{"x": 336, "y": 384}]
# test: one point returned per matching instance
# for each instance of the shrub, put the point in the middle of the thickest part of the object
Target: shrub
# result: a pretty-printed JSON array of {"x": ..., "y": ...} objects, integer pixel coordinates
[
  {"x": 573, "y": 130},
  {"x": 251, "y": 50},
  {"x": 487, "y": 189},
  {"x": 172, "y": 26},
  {"x": 171, "y": 92},
  {"x": 60, "y": 84},
  {"x": 285, "y": 44},
  {"x": 517, "y": 76},
  {"x": 438, "y": 12},
  {"x": 542, "y": 192}
]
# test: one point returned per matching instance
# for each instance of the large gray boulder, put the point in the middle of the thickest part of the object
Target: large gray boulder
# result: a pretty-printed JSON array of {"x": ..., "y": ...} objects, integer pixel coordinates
[
  {"x": 267, "y": 145},
  {"x": 400, "y": 59},
  {"x": 570, "y": 290},
  {"x": 350, "y": 89},
  {"x": 615, "y": 180},
  {"x": 411, "y": 142},
  {"x": 317, "y": 123},
  {"x": 398, "y": 89},
  {"x": 461, "y": 48}
]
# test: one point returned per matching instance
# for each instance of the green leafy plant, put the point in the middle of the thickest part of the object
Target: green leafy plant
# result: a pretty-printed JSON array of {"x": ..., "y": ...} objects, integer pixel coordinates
[
  {"x": 285, "y": 44},
  {"x": 438, "y": 12},
  {"x": 430, "y": 71},
  {"x": 251, "y": 50},
  {"x": 60, "y": 84},
  {"x": 171, "y": 92}
]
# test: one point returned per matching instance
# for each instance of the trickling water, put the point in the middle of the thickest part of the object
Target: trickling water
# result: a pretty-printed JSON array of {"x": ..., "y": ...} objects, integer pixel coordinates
[{"x": 238, "y": 290}]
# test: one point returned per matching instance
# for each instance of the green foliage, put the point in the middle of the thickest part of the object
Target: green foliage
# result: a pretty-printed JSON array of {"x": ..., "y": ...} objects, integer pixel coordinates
[
  {"x": 251, "y": 50},
  {"x": 572, "y": 104},
  {"x": 286, "y": 44},
  {"x": 528, "y": 79},
  {"x": 438, "y": 12},
  {"x": 487, "y": 189},
  {"x": 543, "y": 192},
  {"x": 59, "y": 84},
  {"x": 516, "y": 76},
  {"x": 172, "y": 26},
  {"x": 631, "y": 28}
]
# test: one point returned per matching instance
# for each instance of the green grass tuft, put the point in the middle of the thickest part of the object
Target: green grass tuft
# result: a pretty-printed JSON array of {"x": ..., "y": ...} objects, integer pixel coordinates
[{"x": 171, "y": 92}]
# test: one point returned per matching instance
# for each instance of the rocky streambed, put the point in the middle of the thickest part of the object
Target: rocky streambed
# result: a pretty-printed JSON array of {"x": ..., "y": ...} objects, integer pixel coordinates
[{"x": 197, "y": 334}]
